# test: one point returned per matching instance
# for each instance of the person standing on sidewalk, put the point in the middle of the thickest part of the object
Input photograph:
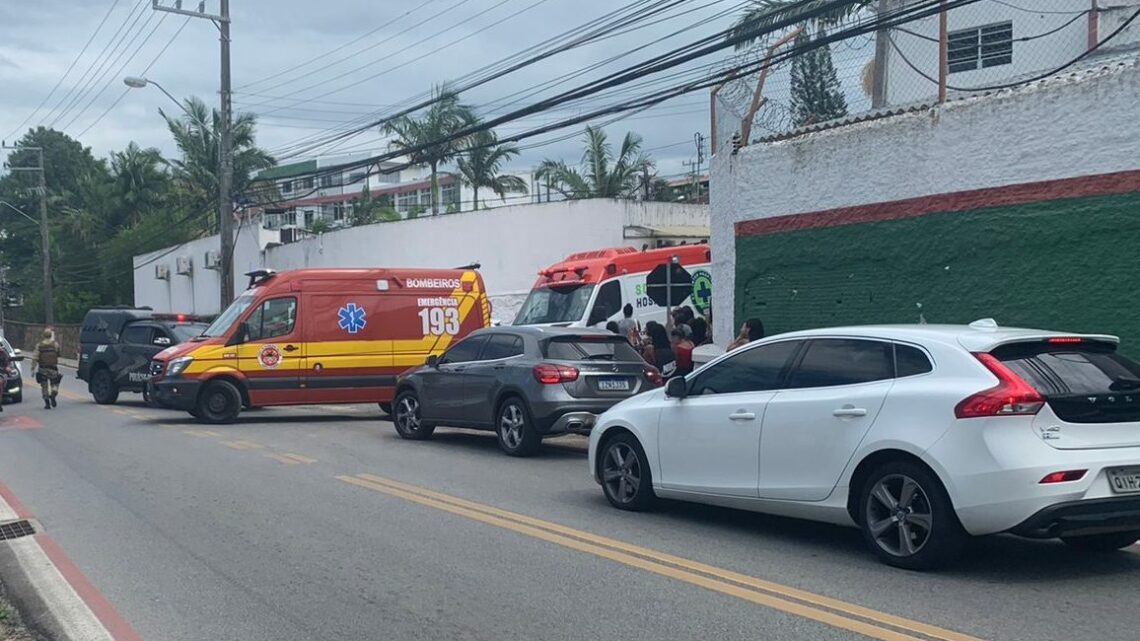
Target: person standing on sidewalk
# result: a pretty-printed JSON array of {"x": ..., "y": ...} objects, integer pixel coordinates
[{"x": 46, "y": 365}]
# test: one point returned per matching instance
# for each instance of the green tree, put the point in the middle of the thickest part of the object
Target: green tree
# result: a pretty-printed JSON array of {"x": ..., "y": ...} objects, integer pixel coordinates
[
  {"x": 196, "y": 134},
  {"x": 430, "y": 139},
  {"x": 762, "y": 15},
  {"x": 480, "y": 165},
  {"x": 817, "y": 95},
  {"x": 602, "y": 174},
  {"x": 367, "y": 210}
]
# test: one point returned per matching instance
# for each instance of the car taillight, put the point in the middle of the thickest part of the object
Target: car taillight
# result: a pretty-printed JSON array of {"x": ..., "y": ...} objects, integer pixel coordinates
[
  {"x": 548, "y": 374},
  {"x": 1012, "y": 396},
  {"x": 654, "y": 376},
  {"x": 1063, "y": 477}
]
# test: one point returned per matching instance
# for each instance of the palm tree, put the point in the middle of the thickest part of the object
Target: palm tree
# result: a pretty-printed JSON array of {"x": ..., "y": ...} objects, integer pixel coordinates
[
  {"x": 140, "y": 181},
  {"x": 754, "y": 23},
  {"x": 480, "y": 163},
  {"x": 196, "y": 133},
  {"x": 602, "y": 175},
  {"x": 430, "y": 140}
]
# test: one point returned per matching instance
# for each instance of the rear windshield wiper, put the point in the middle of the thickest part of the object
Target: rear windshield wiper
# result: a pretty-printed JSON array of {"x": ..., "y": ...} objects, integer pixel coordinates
[{"x": 1124, "y": 383}]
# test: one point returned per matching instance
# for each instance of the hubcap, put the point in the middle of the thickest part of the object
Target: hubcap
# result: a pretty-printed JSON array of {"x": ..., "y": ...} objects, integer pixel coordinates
[
  {"x": 217, "y": 403},
  {"x": 408, "y": 415},
  {"x": 511, "y": 425},
  {"x": 899, "y": 516},
  {"x": 621, "y": 472}
]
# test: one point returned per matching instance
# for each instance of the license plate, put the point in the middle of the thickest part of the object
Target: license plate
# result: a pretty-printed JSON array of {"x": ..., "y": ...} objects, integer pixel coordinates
[
  {"x": 1125, "y": 481},
  {"x": 613, "y": 384}
]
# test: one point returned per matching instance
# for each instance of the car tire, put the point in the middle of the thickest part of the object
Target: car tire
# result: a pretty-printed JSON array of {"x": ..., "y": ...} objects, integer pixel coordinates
[
  {"x": 18, "y": 397},
  {"x": 386, "y": 408},
  {"x": 219, "y": 403},
  {"x": 515, "y": 429},
  {"x": 407, "y": 418},
  {"x": 103, "y": 388},
  {"x": 624, "y": 470},
  {"x": 1102, "y": 543},
  {"x": 907, "y": 517}
]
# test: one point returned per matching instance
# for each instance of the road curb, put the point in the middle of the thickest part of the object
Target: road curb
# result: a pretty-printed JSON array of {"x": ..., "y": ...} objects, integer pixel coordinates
[{"x": 51, "y": 593}]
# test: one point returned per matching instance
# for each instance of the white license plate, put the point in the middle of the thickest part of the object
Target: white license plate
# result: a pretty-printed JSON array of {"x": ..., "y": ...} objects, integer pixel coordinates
[
  {"x": 1125, "y": 481},
  {"x": 613, "y": 384}
]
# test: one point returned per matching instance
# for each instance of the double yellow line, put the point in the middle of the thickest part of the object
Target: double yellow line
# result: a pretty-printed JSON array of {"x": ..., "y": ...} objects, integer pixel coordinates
[{"x": 833, "y": 612}]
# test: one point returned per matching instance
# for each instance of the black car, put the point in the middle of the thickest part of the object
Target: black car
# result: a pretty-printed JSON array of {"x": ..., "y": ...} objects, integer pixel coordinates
[
  {"x": 525, "y": 383},
  {"x": 117, "y": 344}
]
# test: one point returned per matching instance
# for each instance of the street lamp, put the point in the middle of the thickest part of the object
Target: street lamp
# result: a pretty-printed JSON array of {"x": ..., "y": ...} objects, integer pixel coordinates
[{"x": 135, "y": 82}]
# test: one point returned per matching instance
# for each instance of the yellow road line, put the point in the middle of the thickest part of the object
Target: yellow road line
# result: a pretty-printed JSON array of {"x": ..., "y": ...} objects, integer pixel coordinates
[
  {"x": 812, "y": 606},
  {"x": 283, "y": 459},
  {"x": 243, "y": 445},
  {"x": 198, "y": 433},
  {"x": 300, "y": 459}
]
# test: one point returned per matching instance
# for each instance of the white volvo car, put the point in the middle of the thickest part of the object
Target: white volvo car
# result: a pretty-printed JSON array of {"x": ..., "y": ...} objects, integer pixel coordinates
[{"x": 921, "y": 435}]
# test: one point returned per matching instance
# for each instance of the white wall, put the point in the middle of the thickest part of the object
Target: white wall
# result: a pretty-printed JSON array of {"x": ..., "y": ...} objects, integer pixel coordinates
[
  {"x": 1059, "y": 128},
  {"x": 512, "y": 244},
  {"x": 198, "y": 292},
  {"x": 904, "y": 85}
]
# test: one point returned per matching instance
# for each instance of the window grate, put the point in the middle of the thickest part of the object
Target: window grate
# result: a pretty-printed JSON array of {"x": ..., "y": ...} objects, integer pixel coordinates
[{"x": 980, "y": 47}]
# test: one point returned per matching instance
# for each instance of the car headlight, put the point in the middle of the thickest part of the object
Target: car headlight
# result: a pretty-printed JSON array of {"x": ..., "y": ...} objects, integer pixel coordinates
[{"x": 179, "y": 365}]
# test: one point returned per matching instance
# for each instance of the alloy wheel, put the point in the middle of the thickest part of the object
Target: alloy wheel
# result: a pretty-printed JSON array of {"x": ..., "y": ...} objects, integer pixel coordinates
[
  {"x": 408, "y": 415},
  {"x": 899, "y": 515},
  {"x": 511, "y": 424},
  {"x": 621, "y": 472}
]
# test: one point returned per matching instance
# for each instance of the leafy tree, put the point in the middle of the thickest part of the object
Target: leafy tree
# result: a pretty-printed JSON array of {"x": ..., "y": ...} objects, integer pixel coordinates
[
  {"x": 196, "y": 133},
  {"x": 429, "y": 139},
  {"x": 602, "y": 174},
  {"x": 817, "y": 95},
  {"x": 764, "y": 14},
  {"x": 367, "y": 210},
  {"x": 481, "y": 162},
  {"x": 320, "y": 226}
]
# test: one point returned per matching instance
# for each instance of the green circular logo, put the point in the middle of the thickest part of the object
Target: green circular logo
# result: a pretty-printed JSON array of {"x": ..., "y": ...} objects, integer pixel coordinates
[{"x": 702, "y": 290}]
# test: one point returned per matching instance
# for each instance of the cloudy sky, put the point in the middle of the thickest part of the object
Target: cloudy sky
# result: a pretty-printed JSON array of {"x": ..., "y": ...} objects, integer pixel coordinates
[{"x": 390, "y": 51}]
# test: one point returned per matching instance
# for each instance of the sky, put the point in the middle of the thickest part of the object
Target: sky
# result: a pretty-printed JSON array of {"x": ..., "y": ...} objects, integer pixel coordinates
[{"x": 283, "y": 70}]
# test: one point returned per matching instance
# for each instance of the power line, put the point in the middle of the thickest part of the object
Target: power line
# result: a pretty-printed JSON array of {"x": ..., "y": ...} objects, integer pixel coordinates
[{"x": 67, "y": 72}]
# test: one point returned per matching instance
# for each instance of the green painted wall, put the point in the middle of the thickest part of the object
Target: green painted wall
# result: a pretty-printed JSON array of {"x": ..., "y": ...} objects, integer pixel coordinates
[{"x": 1069, "y": 264}]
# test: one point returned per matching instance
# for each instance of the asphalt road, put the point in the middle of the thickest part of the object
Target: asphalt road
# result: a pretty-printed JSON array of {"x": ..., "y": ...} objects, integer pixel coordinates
[{"x": 320, "y": 523}]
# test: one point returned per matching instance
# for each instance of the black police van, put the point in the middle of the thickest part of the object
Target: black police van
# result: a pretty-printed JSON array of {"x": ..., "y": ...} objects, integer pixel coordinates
[{"x": 116, "y": 345}]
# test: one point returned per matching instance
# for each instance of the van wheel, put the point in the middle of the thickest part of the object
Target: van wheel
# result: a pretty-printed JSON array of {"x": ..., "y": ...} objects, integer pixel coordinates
[
  {"x": 407, "y": 419},
  {"x": 103, "y": 388},
  {"x": 907, "y": 517},
  {"x": 219, "y": 403},
  {"x": 517, "y": 436}
]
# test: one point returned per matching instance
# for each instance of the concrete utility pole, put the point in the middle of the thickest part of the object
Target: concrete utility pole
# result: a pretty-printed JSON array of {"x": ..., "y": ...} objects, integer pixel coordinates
[
  {"x": 882, "y": 52},
  {"x": 45, "y": 235},
  {"x": 225, "y": 142},
  {"x": 699, "y": 140}
]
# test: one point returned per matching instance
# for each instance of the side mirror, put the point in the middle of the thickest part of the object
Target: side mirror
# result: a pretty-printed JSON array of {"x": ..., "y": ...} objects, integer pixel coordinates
[
  {"x": 240, "y": 336},
  {"x": 432, "y": 361},
  {"x": 677, "y": 388},
  {"x": 16, "y": 351},
  {"x": 18, "y": 356}
]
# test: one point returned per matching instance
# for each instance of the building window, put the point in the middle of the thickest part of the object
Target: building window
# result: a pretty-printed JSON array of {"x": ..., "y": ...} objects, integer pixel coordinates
[
  {"x": 310, "y": 215},
  {"x": 287, "y": 187},
  {"x": 406, "y": 201},
  {"x": 425, "y": 197},
  {"x": 338, "y": 212},
  {"x": 981, "y": 47},
  {"x": 357, "y": 177},
  {"x": 449, "y": 195},
  {"x": 332, "y": 180},
  {"x": 307, "y": 183}
]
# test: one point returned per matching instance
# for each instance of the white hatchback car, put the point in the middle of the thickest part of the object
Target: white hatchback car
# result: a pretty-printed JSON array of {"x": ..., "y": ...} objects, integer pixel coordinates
[{"x": 921, "y": 435}]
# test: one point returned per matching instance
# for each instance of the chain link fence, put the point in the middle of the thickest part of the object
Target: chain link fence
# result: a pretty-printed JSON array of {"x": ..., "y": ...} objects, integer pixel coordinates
[{"x": 975, "y": 49}]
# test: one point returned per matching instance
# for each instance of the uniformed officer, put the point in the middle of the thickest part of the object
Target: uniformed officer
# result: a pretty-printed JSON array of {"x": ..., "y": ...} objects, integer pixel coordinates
[{"x": 47, "y": 368}]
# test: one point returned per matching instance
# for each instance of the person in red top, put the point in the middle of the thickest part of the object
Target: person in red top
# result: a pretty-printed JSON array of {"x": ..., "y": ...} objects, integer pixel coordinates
[{"x": 682, "y": 351}]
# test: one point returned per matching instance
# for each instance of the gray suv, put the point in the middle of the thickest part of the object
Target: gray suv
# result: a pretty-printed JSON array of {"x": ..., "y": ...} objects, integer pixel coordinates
[{"x": 524, "y": 383}]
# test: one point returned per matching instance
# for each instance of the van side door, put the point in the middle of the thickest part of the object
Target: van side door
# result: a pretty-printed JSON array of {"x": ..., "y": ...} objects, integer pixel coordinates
[
  {"x": 348, "y": 347},
  {"x": 271, "y": 353}
]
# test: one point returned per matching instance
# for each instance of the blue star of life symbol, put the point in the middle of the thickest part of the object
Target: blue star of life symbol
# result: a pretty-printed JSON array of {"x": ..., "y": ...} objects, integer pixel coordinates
[{"x": 352, "y": 318}]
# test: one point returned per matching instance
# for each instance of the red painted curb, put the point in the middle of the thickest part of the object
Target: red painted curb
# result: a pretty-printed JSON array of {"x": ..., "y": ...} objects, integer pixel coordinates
[
  {"x": 14, "y": 503},
  {"x": 104, "y": 611}
]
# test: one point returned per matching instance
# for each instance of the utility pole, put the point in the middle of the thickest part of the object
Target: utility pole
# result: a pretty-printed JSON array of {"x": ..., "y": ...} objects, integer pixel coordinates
[
  {"x": 882, "y": 51},
  {"x": 699, "y": 140},
  {"x": 45, "y": 236},
  {"x": 225, "y": 142},
  {"x": 645, "y": 182}
]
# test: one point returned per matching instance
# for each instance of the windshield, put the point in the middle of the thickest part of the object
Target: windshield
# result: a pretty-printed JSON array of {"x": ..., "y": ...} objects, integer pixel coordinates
[
  {"x": 555, "y": 305},
  {"x": 185, "y": 332},
  {"x": 232, "y": 313},
  {"x": 590, "y": 348}
]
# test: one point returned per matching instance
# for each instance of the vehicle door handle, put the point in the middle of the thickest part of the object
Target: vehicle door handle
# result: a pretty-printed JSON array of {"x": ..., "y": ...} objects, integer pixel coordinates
[
  {"x": 846, "y": 412},
  {"x": 291, "y": 348},
  {"x": 741, "y": 415}
]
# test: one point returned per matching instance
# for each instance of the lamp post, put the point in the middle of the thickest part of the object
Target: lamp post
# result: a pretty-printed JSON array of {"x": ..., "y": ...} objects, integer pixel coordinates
[{"x": 135, "y": 82}]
